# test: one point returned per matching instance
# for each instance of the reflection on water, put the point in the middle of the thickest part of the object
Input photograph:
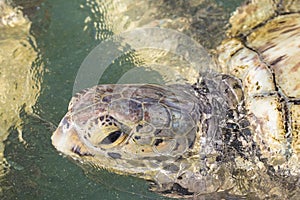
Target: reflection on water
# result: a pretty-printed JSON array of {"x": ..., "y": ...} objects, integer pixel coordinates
[
  {"x": 20, "y": 72},
  {"x": 174, "y": 56},
  {"x": 203, "y": 20}
]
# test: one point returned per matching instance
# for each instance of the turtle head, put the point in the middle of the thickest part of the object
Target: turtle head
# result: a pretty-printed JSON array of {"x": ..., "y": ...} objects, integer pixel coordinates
[{"x": 143, "y": 130}]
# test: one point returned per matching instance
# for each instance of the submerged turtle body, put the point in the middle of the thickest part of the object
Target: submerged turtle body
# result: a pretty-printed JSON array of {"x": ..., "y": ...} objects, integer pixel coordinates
[
  {"x": 235, "y": 131},
  {"x": 264, "y": 54}
]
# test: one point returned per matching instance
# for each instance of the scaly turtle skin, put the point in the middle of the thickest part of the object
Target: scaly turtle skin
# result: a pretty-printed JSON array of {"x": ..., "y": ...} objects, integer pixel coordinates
[
  {"x": 236, "y": 131},
  {"x": 152, "y": 131}
]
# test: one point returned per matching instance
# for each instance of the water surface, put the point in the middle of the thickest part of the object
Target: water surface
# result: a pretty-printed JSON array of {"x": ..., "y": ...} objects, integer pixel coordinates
[{"x": 42, "y": 48}]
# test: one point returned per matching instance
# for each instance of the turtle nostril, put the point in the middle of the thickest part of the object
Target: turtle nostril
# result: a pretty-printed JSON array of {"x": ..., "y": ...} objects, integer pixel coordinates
[{"x": 65, "y": 122}]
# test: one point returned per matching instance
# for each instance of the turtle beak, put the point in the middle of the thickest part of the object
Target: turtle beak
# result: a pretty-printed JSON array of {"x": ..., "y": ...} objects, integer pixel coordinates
[
  {"x": 66, "y": 140},
  {"x": 61, "y": 140}
]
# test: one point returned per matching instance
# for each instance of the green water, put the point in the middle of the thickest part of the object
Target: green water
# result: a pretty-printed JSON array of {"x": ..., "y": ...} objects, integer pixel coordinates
[{"x": 64, "y": 37}]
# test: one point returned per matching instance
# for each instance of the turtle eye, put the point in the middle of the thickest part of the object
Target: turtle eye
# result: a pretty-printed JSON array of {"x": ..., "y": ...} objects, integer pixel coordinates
[{"x": 113, "y": 138}]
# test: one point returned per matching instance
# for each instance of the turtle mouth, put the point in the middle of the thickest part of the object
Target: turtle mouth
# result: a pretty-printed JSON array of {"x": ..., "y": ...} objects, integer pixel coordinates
[
  {"x": 68, "y": 142},
  {"x": 59, "y": 140}
]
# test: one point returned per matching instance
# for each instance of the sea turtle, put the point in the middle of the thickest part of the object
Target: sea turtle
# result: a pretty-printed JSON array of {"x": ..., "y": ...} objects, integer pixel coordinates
[{"x": 235, "y": 131}]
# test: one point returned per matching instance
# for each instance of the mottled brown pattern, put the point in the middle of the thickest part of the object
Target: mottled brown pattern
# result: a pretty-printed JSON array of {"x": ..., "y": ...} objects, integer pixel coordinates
[
  {"x": 291, "y": 30},
  {"x": 296, "y": 68},
  {"x": 267, "y": 61},
  {"x": 278, "y": 59},
  {"x": 267, "y": 47}
]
